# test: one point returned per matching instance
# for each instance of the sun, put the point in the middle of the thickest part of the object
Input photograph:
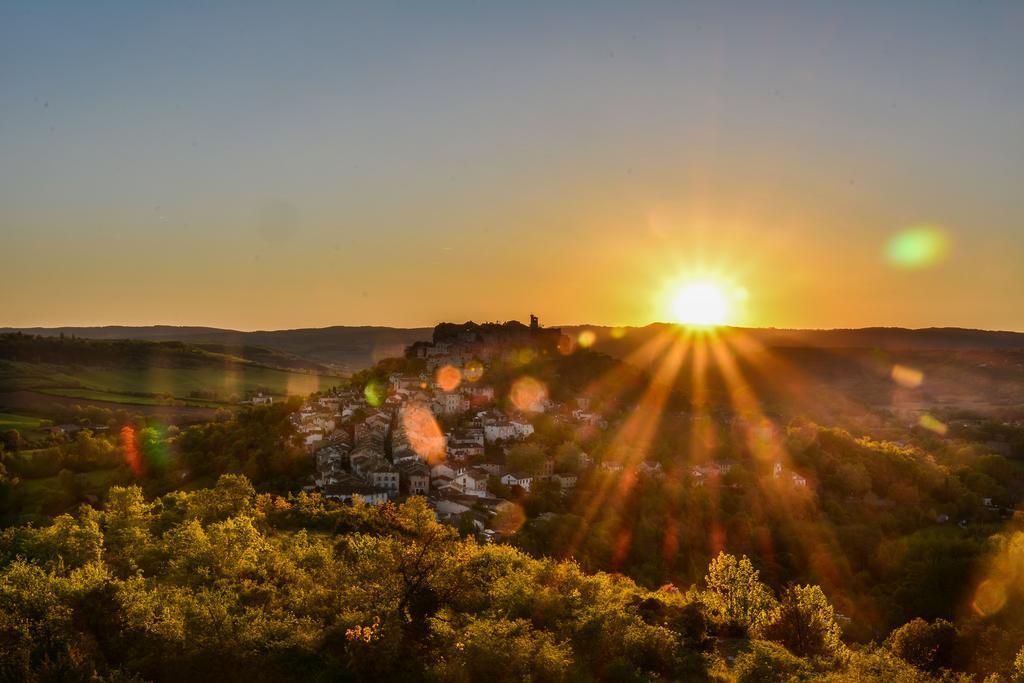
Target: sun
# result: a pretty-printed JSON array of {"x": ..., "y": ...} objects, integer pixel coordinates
[{"x": 701, "y": 304}]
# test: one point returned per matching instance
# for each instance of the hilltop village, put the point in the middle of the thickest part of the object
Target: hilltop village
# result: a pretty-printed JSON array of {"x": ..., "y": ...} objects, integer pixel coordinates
[
  {"x": 386, "y": 442},
  {"x": 440, "y": 433}
]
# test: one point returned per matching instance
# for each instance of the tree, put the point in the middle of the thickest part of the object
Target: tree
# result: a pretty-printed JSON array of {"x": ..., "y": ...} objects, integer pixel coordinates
[
  {"x": 805, "y": 624},
  {"x": 12, "y": 439},
  {"x": 1018, "y": 667},
  {"x": 735, "y": 594},
  {"x": 853, "y": 479},
  {"x": 928, "y": 646},
  {"x": 525, "y": 457},
  {"x": 567, "y": 457},
  {"x": 503, "y": 650},
  {"x": 766, "y": 662},
  {"x": 880, "y": 665}
]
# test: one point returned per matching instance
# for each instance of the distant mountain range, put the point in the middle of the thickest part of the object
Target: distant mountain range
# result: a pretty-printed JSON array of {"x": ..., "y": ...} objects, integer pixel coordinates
[
  {"x": 352, "y": 348},
  {"x": 344, "y": 348},
  {"x": 620, "y": 342}
]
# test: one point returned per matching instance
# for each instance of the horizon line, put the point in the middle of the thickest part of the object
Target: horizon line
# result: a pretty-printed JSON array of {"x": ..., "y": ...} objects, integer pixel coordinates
[{"x": 13, "y": 328}]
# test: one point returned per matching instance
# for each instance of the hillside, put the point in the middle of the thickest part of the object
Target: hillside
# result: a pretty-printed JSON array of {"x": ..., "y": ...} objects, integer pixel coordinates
[
  {"x": 225, "y": 584},
  {"x": 348, "y": 349},
  {"x": 36, "y": 372},
  {"x": 345, "y": 349},
  {"x": 621, "y": 341}
]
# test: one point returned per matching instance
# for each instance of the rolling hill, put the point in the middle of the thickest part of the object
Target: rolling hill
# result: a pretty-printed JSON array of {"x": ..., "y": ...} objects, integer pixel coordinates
[
  {"x": 348, "y": 349},
  {"x": 342, "y": 349},
  {"x": 37, "y": 372}
]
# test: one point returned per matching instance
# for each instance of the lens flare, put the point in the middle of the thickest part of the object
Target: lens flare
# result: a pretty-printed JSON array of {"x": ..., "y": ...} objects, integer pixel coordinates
[
  {"x": 508, "y": 518},
  {"x": 375, "y": 393},
  {"x": 424, "y": 433},
  {"x": 933, "y": 424},
  {"x": 520, "y": 357},
  {"x": 529, "y": 394},
  {"x": 150, "y": 444},
  {"x": 448, "y": 378},
  {"x": 566, "y": 345},
  {"x": 586, "y": 338},
  {"x": 908, "y": 377},
  {"x": 473, "y": 371},
  {"x": 989, "y": 598},
  {"x": 917, "y": 247},
  {"x": 131, "y": 451}
]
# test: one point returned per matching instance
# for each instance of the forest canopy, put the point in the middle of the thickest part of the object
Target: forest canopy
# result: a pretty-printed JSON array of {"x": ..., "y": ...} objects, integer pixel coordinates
[{"x": 228, "y": 583}]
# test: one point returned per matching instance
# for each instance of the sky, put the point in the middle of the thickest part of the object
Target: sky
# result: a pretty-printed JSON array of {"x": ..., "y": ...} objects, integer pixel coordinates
[{"x": 274, "y": 165}]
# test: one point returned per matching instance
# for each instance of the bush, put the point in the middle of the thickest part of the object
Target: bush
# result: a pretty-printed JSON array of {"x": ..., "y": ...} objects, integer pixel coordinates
[
  {"x": 928, "y": 646},
  {"x": 767, "y": 662},
  {"x": 805, "y": 623}
]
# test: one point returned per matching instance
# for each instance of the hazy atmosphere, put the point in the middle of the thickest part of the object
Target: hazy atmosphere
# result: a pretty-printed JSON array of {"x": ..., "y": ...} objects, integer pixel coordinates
[
  {"x": 553, "y": 342},
  {"x": 254, "y": 166}
]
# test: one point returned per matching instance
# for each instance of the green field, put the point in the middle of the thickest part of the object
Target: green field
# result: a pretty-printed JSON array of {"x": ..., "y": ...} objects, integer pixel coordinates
[
  {"x": 19, "y": 422},
  {"x": 28, "y": 427},
  {"x": 113, "y": 396},
  {"x": 225, "y": 383}
]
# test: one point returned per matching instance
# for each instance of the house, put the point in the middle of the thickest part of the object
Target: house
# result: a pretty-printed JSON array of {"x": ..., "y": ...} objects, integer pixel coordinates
[
  {"x": 778, "y": 472},
  {"x": 331, "y": 451},
  {"x": 450, "y": 506},
  {"x": 498, "y": 430},
  {"x": 478, "y": 394},
  {"x": 443, "y": 469},
  {"x": 348, "y": 488},
  {"x": 463, "y": 450},
  {"x": 406, "y": 383},
  {"x": 547, "y": 468},
  {"x": 451, "y": 403},
  {"x": 649, "y": 468},
  {"x": 520, "y": 479},
  {"x": 521, "y": 427},
  {"x": 67, "y": 429},
  {"x": 331, "y": 456},
  {"x": 473, "y": 481},
  {"x": 711, "y": 470},
  {"x": 385, "y": 476},
  {"x": 414, "y": 478},
  {"x": 491, "y": 468},
  {"x": 330, "y": 473},
  {"x": 565, "y": 480},
  {"x": 442, "y": 483},
  {"x": 378, "y": 422},
  {"x": 340, "y": 436},
  {"x": 504, "y": 430},
  {"x": 471, "y": 434},
  {"x": 362, "y": 460},
  {"x": 403, "y": 453},
  {"x": 588, "y": 418}
]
